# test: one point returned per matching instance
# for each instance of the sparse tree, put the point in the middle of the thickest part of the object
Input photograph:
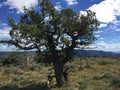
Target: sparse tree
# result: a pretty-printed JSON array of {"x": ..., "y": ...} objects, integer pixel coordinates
[{"x": 56, "y": 32}]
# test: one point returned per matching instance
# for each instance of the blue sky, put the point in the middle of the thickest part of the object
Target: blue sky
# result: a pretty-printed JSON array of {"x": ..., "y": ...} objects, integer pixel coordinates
[{"x": 107, "y": 12}]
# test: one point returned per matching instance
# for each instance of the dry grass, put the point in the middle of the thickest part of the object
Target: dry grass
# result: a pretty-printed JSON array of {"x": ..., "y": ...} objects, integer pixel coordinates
[{"x": 103, "y": 74}]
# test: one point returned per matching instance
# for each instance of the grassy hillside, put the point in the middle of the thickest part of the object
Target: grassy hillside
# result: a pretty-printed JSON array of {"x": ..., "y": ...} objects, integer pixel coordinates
[{"x": 100, "y": 74}]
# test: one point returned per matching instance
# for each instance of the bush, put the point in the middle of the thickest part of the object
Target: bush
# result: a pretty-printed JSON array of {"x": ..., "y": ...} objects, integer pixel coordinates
[
  {"x": 116, "y": 82},
  {"x": 36, "y": 67},
  {"x": 17, "y": 78},
  {"x": 82, "y": 85},
  {"x": 103, "y": 76},
  {"x": 97, "y": 77},
  {"x": 104, "y": 63},
  {"x": 107, "y": 75},
  {"x": 12, "y": 70},
  {"x": 72, "y": 67},
  {"x": 13, "y": 60}
]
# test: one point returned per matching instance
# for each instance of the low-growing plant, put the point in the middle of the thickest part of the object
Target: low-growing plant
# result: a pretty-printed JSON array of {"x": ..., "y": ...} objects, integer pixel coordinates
[
  {"x": 17, "y": 78},
  {"x": 36, "y": 67},
  {"x": 107, "y": 75},
  {"x": 104, "y": 63},
  {"x": 82, "y": 85},
  {"x": 103, "y": 76},
  {"x": 72, "y": 67},
  {"x": 116, "y": 82},
  {"x": 12, "y": 70},
  {"x": 13, "y": 60}
]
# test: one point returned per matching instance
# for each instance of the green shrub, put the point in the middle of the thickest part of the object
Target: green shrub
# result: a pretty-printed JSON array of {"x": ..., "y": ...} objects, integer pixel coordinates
[
  {"x": 97, "y": 77},
  {"x": 17, "y": 78},
  {"x": 116, "y": 82},
  {"x": 104, "y": 63},
  {"x": 82, "y": 85},
  {"x": 13, "y": 60},
  {"x": 36, "y": 67},
  {"x": 103, "y": 76},
  {"x": 12, "y": 70},
  {"x": 107, "y": 75}
]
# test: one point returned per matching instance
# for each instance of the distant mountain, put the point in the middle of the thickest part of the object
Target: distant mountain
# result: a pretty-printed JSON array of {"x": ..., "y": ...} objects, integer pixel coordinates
[
  {"x": 92, "y": 53},
  {"x": 78, "y": 53},
  {"x": 6, "y": 54}
]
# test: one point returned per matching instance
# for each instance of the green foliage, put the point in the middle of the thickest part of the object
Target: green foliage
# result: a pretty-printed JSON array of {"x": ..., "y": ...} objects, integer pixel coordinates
[
  {"x": 12, "y": 70},
  {"x": 82, "y": 85},
  {"x": 116, "y": 82},
  {"x": 13, "y": 60},
  {"x": 107, "y": 75},
  {"x": 55, "y": 32},
  {"x": 104, "y": 63},
  {"x": 51, "y": 30},
  {"x": 103, "y": 76},
  {"x": 45, "y": 58},
  {"x": 36, "y": 67},
  {"x": 71, "y": 66}
]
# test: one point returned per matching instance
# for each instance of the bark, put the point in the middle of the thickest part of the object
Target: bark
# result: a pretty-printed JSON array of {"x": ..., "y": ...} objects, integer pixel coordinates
[{"x": 58, "y": 67}]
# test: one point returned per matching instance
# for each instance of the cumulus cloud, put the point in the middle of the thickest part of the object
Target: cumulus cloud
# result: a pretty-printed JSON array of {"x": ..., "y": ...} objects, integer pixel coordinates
[
  {"x": 4, "y": 32},
  {"x": 102, "y": 25},
  {"x": 71, "y": 2},
  {"x": 0, "y": 5},
  {"x": 97, "y": 36},
  {"x": 97, "y": 32},
  {"x": 7, "y": 48},
  {"x": 58, "y": 6},
  {"x": 117, "y": 30},
  {"x": 19, "y": 4},
  {"x": 107, "y": 10},
  {"x": 113, "y": 26},
  {"x": 102, "y": 45}
]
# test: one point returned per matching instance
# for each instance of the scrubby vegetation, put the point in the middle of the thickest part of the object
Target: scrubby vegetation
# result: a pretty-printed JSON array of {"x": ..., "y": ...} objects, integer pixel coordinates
[{"x": 102, "y": 74}]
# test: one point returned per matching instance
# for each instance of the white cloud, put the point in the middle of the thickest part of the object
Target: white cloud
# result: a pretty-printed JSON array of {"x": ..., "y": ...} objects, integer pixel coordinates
[
  {"x": 58, "y": 6},
  {"x": 97, "y": 36},
  {"x": 0, "y": 5},
  {"x": 117, "y": 30},
  {"x": 19, "y": 4},
  {"x": 116, "y": 22},
  {"x": 101, "y": 45},
  {"x": 71, "y": 2},
  {"x": 103, "y": 25},
  {"x": 107, "y": 10},
  {"x": 4, "y": 32},
  {"x": 101, "y": 38},
  {"x": 5, "y": 47},
  {"x": 97, "y": 32}
]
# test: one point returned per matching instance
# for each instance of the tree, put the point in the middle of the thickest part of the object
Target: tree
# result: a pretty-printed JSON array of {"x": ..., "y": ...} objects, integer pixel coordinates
[{"x": 52, "y": 31}]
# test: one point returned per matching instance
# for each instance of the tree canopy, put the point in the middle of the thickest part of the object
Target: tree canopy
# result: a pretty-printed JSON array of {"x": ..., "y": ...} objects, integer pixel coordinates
[{"x": 50, "y": 30}]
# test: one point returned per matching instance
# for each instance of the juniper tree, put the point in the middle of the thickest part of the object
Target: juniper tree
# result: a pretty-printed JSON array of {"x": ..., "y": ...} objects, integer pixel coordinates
[{"x": 53, "y": 31}]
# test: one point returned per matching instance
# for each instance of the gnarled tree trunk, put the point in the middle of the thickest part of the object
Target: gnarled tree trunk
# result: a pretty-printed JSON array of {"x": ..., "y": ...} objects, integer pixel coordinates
[{"x": 58, "y": 68}]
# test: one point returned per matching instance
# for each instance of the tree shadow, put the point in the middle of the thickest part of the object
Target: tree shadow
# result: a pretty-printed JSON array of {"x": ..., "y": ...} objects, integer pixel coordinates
[{"x": 34, "y": 87}]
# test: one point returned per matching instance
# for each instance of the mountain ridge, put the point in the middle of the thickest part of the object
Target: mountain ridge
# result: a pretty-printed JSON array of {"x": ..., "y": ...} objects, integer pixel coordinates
[
  {"x": 96, "y": 53},
  {"x": 78, "y": 53}
]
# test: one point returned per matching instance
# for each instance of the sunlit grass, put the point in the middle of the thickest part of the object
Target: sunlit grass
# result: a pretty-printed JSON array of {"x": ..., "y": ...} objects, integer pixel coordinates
[{"x": 103, "y": 74}]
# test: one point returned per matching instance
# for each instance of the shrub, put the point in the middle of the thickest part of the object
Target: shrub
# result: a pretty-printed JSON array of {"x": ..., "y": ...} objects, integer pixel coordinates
[
  {"x": 97, "y": 77},
  {"x": 17, "y": 78},
  {"x": 107, "y": 75},
  {"x": 103, "y": 76},
  {"x": 82, "y": 85},
  {"x": 13, "y": 60},
  {"x": 116, "y": 82},
  {"x": 12, "y": 70},
  {"x": 104, "y": 63},
  {"x": 72, "y": 67},
  {"x": 36, "y": 67}
]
